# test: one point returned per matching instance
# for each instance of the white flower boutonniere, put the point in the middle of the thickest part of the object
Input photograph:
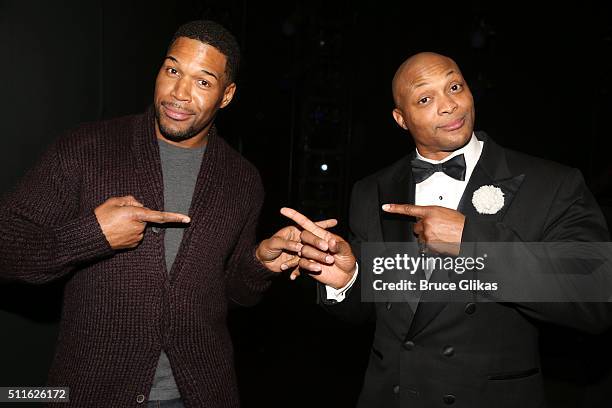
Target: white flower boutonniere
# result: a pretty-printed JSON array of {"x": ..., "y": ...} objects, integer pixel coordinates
[{"x": 488, "y": 199}]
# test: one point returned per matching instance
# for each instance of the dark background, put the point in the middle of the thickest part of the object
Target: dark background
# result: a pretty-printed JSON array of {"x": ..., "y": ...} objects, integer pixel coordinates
[{"x": 314, "y": 89}]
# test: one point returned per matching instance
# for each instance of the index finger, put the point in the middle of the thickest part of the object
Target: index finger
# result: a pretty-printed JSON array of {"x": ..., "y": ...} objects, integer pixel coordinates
[
  {"x": 325, "y": 224},
  {"x": 305, "y": 222},
  {"x": 418, "y": 211},
  {"x": 160, "y": 217}
]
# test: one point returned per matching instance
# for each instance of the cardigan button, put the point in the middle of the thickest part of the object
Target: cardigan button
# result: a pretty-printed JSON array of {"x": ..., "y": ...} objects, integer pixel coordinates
[
  {"x": 155, "y": 229},
  {"x": 470, "y": 308},
  {"x": 140, "y": 398}
]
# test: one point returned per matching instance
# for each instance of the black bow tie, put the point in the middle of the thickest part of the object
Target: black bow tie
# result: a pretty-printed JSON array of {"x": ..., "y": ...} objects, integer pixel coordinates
[{"x": 422, "y": 170}]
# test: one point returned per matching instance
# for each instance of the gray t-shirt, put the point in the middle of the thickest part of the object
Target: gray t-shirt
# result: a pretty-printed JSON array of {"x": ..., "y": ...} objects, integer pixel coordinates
[{"x": 180, "y": 168}]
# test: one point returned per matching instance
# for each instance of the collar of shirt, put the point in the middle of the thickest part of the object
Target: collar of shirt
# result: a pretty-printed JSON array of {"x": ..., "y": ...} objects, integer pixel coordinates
[
  {"x": 471, "y": 152},
  {"x": 440, "y": 189}
]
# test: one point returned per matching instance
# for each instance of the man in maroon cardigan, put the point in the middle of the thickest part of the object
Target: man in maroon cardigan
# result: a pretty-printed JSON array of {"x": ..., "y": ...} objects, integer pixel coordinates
[{"x": 135, "y": 321}]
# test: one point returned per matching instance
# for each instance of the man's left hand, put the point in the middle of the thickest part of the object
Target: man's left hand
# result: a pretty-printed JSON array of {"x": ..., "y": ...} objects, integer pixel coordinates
[
  {"x": 280, "y": 252},
  {"x": 440, "y": 228}
]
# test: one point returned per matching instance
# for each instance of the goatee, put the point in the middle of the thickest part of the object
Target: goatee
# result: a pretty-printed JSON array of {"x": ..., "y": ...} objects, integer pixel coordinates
[{"x": 174, "y": 135}]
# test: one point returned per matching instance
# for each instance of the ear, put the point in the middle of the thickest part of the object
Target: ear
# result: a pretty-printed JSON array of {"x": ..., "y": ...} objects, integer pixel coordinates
[
  {"x": 228, "y": 95},
  {"x": 399, "y": 118}
]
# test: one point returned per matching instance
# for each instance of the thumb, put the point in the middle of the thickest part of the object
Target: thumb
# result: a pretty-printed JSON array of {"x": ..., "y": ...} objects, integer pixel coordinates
[{"x": 340, "y": 247}]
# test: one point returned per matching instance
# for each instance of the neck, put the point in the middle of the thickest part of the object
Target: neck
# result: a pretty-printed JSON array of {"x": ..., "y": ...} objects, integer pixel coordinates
[
  {"x": 436, "y": 154},
  {"x": 433, "y": 155}
]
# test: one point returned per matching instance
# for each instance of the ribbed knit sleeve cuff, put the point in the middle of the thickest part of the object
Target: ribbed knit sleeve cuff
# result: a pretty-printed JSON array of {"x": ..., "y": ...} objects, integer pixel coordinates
[{"x": 82, "y": 240}]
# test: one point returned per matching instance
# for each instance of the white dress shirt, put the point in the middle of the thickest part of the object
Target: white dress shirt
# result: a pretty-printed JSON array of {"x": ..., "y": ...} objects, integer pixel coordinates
[{"x": 439, "y": 189}]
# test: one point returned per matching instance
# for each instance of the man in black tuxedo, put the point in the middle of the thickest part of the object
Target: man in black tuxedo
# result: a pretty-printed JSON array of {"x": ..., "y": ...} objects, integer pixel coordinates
[{"x": 464, "y": 354}]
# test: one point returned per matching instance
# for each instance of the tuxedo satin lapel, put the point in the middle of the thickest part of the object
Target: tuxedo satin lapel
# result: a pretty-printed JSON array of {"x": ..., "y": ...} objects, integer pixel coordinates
[
  {"x": 397, "y": 189},
  {"x": 509, "y": 187},
  {"x": 428, "y": 309},
  {"x": 492, "y": 169}
]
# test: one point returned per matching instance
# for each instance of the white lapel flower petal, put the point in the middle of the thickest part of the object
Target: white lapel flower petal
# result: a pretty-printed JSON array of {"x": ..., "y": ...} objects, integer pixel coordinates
[{"x": 488, "y": 199}]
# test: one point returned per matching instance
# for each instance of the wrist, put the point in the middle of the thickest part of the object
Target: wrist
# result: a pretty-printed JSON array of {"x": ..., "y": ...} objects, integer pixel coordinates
[{"x": 347, "y": 280}]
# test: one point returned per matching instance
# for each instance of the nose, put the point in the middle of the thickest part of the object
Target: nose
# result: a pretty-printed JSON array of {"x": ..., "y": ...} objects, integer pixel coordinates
[
  {"x": 447, "y": 105},
  {"x": 182, "y": 90}
]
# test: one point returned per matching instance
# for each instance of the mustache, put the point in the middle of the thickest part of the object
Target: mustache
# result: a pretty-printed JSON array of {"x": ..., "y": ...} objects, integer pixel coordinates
[{"x": 177, "y": 106}]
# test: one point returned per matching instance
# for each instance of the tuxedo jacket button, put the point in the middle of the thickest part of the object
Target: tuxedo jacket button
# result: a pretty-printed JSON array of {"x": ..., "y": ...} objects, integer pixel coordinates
[
  {"x": 388, "y": 305},
  {"x": 448, "y": 351},
  {"x": 470, "y": 308},
  {"x": 396, "y": 389},
  {"x": 448, "y": 399},
  {"x": 409, "y": 344}
]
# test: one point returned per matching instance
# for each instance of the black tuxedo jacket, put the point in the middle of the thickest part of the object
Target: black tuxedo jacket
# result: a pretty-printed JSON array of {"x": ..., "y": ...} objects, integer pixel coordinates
[{"x": 471, "y": 354}]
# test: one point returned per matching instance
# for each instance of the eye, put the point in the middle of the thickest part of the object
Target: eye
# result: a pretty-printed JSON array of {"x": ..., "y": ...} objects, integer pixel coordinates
[
  {"x": 423, "y": 100},
  {"x": 456, "y": 87},
  {"x": 171, "y": 71},
  {"x": 204, "y": 83}
]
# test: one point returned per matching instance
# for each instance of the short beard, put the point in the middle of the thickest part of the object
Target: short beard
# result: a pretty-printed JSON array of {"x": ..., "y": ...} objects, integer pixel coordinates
[{"x": 175, "y": 136}]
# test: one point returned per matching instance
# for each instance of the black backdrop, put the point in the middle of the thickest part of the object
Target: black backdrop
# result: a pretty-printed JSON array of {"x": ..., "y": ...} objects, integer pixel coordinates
[{"x": 541, "y": 81}]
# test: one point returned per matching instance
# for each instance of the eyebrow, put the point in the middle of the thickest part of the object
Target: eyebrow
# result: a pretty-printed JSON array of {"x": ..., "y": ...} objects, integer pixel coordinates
[
  {"x": 170, "y": 57},
  {"x": 449, "y": 73}
]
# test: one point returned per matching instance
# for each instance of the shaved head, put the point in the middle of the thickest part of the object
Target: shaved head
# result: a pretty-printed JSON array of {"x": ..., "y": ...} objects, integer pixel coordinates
[
  {"x": 410, "y": 69},
  {"x": 434, "y": 103}
]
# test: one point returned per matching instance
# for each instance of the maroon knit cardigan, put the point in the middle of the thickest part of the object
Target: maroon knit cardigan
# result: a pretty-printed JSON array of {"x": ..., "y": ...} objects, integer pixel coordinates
[{"x": 122, "y": 307}]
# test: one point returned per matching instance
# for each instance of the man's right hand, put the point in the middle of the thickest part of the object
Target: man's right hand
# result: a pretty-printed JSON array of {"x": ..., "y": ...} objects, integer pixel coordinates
[
  {"x": 123, "y": 220},
  {"x": 327, "y": 257}
]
